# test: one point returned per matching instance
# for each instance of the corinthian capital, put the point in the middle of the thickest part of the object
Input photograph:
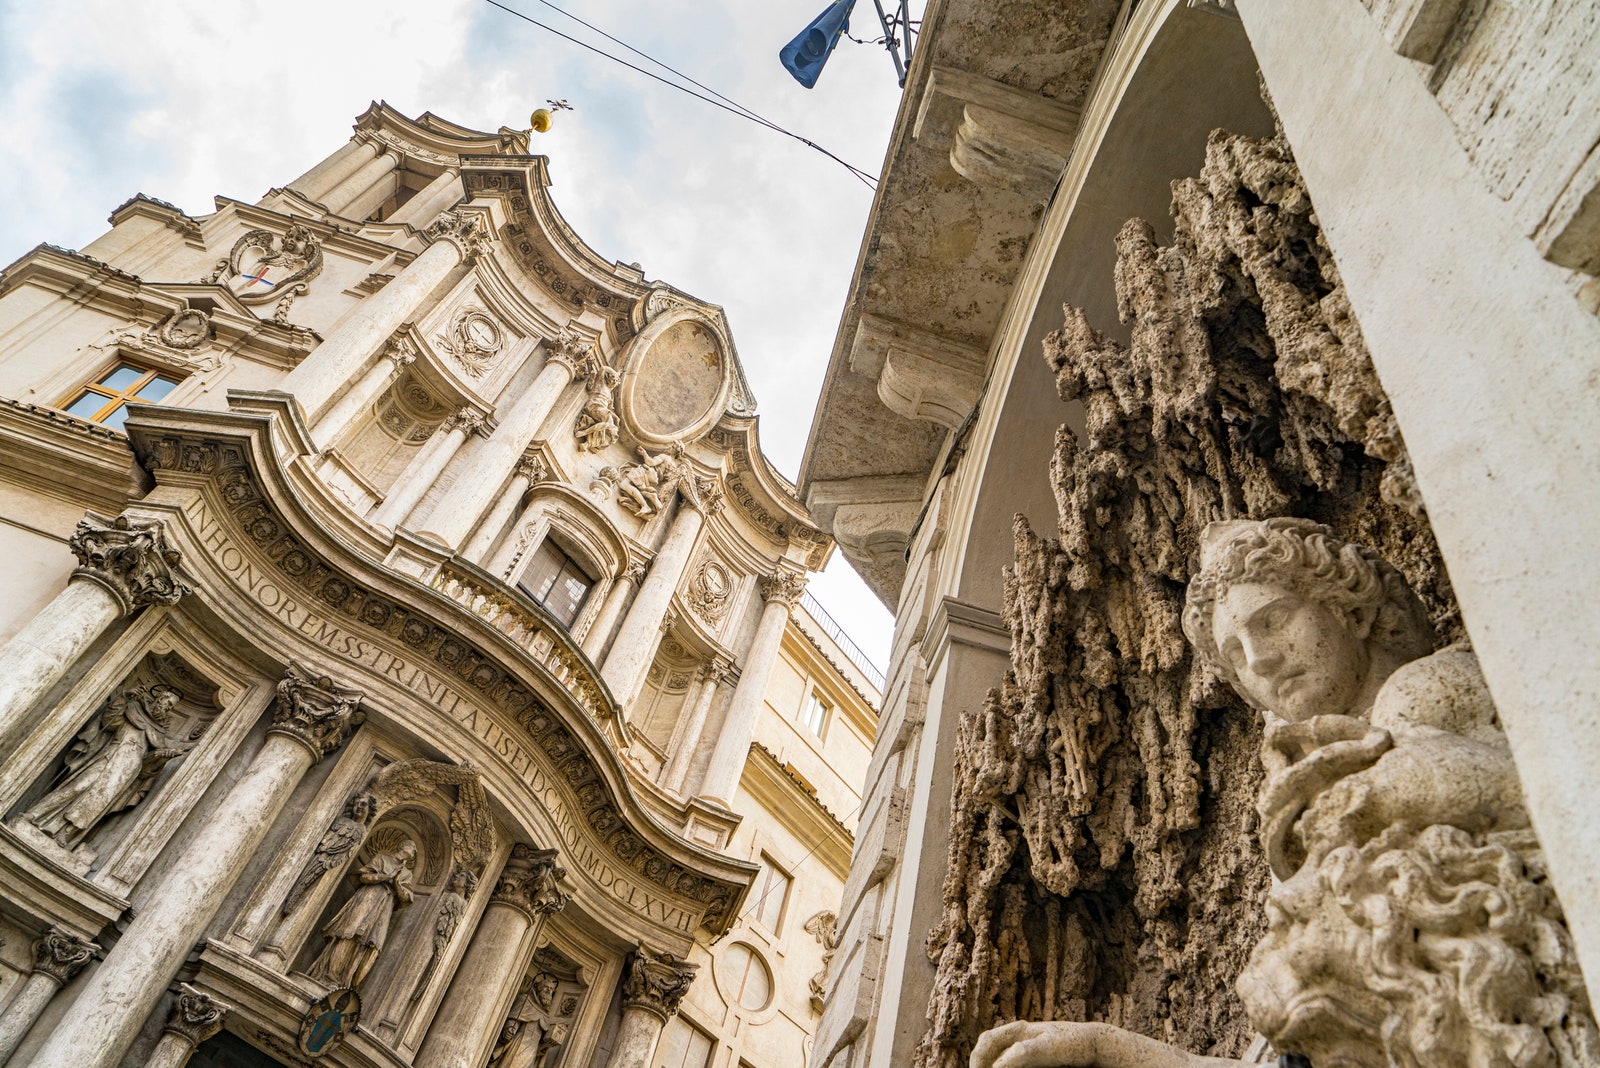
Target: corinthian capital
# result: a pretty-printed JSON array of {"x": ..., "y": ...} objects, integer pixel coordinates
[
  {"x": 195, "y": 1016},
  {"x": 656, "y": 982},
  {"x": 783, "y": 586},
  {"x": 531, "y": 881},
  {"x": 130, "y": 558},
  {"x": 466, "y": 420},
  {"x": 61, "y": 954},
  {"x": 568, "y": 349},
  {"x": 463, "y": 230},
  {"x": 315, "y": 712}
]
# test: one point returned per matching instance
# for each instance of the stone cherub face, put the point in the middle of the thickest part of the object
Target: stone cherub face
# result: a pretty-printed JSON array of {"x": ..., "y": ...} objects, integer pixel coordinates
[{"x": 1297, "y": 622}]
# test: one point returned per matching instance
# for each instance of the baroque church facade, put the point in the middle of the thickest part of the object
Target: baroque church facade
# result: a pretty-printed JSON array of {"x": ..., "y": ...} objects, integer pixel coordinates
[
  {"x": 1214, "y": 404},
  {"x": 406, "y": 655}
]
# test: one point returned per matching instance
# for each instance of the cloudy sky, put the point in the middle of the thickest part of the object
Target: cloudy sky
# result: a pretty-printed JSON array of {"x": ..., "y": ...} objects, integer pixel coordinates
[{"x": 186, "y": 99}]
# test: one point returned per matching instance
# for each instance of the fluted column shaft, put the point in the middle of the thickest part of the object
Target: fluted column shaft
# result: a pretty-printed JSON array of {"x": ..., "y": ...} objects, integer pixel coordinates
[
  {"x": 616, "y": 597},
  {"x": 309, "y": 721},
  {"x": 359, "y": 185},
  {"x": 123, "y": 565},
  {"x": 332, "y": 364},
  {"x": 495, "y": 457},
  {"x": 433, "y": 198},
  {"x": 470, "y": 1016},
  {"x": 744, "y": 711},
  {"x": 354, "y": 401},
  {"x": 688, "y": 742},
  {"x": 641, "y": 629},
  {"x": 418, "y": 477},
  {"x": 316, "y": 182}
]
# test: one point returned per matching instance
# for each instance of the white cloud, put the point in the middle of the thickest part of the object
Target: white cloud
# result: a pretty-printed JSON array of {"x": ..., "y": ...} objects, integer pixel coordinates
[{"x": 189, "y": 98}]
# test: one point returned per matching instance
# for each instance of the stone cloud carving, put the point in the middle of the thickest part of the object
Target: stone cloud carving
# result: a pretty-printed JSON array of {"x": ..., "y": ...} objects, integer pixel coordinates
[{"x": 1413, "y": 924}]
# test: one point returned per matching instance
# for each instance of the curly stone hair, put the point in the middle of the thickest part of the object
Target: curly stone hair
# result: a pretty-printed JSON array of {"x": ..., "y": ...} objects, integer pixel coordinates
[{"x": 1310, "y": 559}]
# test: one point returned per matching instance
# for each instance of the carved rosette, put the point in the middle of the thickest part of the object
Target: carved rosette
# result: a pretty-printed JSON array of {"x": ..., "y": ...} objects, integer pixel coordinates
[
  {"x": 784, "y": 587},
  {"x": 61, "y": 954},
  {"x": 129, "y": 558},
  {"x": 195, "y": 1016},
  {"x": 462, "y": 230},
  {"x": 315, "y": 712},
  {"x": 656, "y": 982},
  {"x": 531, "y": 882}
]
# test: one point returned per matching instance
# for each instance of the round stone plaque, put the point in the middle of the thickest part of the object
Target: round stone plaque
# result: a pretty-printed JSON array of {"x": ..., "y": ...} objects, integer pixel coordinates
[{"x": 678, "y": 382}]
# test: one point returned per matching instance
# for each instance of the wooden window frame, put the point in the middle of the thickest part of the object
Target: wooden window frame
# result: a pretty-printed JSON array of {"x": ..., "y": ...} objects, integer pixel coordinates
[{"x": 116, "y": 399}]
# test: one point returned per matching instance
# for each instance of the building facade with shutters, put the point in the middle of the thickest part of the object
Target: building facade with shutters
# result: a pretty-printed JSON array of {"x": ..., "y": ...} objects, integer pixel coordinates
[{"x": 406, "y": 659}]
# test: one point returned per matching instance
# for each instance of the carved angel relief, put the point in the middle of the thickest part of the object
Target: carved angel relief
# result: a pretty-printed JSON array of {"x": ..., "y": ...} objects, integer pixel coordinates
[
  {"x": 264, "y": 267},
  {"x": 646, "y": 487}
]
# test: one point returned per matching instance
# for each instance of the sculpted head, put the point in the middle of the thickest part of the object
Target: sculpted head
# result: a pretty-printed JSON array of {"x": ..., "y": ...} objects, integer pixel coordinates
[
  {"x": 1297, "y": 621},
  {"x": 406, "y": 852},
  {"x": 544, "y": 989}
]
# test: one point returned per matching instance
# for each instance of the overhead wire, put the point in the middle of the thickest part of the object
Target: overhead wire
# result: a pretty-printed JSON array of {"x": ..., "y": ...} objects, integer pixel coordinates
[{"x": 715, "y": 98}]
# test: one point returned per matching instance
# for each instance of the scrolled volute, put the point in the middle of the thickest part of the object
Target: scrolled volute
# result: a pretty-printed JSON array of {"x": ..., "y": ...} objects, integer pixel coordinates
[
  {"x": 195, "y": 1016},
  {"x": 315, "y": 712},
  {"x": 60, "y": 954},
  {"x": 131, "y": 558},
  {"x": 656, "y": 982}
]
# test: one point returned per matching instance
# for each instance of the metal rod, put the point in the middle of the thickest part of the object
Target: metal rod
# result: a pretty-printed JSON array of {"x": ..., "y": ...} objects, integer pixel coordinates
[{"x": 890, "y": 41}]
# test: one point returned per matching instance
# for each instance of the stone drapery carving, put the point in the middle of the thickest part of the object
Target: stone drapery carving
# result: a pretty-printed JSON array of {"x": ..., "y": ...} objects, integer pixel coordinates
[
  {"x": 358, "y": 931},
  {"x": 824, "y": 927},
  {"x": 452, "y": 907},
  {"x": 473, "y": 340},
  {"x": 112, "y": 763},
  {"x": 315, "y": 712},
  {"x": 709, "y": 591},
  {"x": 784, "y": 587},
  {"x": 1102, "y": 864},
  {"x": 656, "y": 982},
  {"x": 263, "y": 266},
  {"x": 597, "y": 426},
  {"x": 535, "y": 1026},
  {"x": 462, "y": 229},
  {"x": 130, "y": 558},
  {"x": 531, "y": 881},
  {"x": 1413, "y": 925},
  {"x": 647, "y": 487},
  {"x": 60, "y": 954},
  {"x": 195, "y": 1016}
]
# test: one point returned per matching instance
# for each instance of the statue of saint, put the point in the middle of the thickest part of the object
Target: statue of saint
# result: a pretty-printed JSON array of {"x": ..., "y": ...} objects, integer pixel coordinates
[
  {"x": 347, "y": 831},
  {"x": 530, "y": 1031},
  {"x": 647, "y": 487},
  {"x": 597, "y": 426},
  {"x": 1411, "y": 925},
  {"x": 111, "y": 765},
  {"x": 356, "y": 935}
]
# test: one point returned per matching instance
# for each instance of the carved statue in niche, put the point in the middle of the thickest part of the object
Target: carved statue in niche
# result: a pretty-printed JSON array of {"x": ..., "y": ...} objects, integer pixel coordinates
[
  {"x": 347, "y": 831},
  {"x": 647, "y": 487},
  {"x": 534, "y": 1028},
  {"x": 357, "y": 933},
  {"x": 452, "y": 907},
  {"x": 112, "y": 764},
  {"x": 597, "y": 426},
  {"x": 1413, "y": 925}
]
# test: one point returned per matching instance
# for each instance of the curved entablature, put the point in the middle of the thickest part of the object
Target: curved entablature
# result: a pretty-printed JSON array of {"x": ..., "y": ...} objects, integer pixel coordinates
[
  {"x": 428, "y": 136},
  {"x": 763, "y": 495},
  {"x": 529, "y": 705}
]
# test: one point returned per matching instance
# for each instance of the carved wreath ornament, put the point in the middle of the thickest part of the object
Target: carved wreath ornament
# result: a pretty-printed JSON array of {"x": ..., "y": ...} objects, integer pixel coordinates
[
  {"x": 709, "y": 592},
  {"x": 473, "y": 340}
]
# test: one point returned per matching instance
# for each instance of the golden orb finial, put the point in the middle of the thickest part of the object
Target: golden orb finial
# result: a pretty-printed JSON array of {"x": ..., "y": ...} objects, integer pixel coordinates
[{"x": 539, "y": 121}]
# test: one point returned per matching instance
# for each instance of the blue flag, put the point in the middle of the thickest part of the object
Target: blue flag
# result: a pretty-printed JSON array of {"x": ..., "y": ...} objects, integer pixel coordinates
[{"x": 804, "y": 56}]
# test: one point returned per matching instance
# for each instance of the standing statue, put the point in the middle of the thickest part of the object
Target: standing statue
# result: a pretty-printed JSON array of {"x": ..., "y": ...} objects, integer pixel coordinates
[
  {"x": 647, "y": 486},
  {"x": 597, "y": 426},
  {"x": 112, "y": 764},
  {"x": 356, "y": 935},
  {"x": 531, "y": 1031},
  {"x": 452, "y": 907},
  {"x": 347, "y": 831},
  {"x": 1412, "y": 925}
]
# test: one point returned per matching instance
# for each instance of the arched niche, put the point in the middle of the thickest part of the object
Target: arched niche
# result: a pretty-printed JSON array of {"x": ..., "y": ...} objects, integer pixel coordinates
[{"x": 677, "y": 378}]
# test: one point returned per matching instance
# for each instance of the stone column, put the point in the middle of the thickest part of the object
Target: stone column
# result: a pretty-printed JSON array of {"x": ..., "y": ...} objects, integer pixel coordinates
[
  {"x": 359, "y": 186},
  {"x": 652, "y": 990},
  {"x": 330, "y": 367},
  {"x": 782, "y": 590},
  {"x": 316, "y": 182},
  {"x": 419, "y": 475},
  {"x": 469, "y": 1018},
  {"x": 493, "y": 460},
  {"x": 687, "y": 744},
  {"x": 397, "y": 356},
  {"x": 123, "y": 564},
  {"x": 311, "y": 718},
  {"x": 433, "y": 198},
  {"x": 630, "y": 654},
  {"x": 529, "y": 470},
  {"x": 57, "y": 956},
  {"x": 616, "y": 597},
  {"x": 194, "y": 1018}
]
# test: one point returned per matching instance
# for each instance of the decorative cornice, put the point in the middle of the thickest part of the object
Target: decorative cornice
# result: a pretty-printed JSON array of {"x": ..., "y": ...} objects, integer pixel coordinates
[
  {"x": 169, "y": 214},
  {"x": 779, "y": 787},
  {"x": 60, "y": 954},
  {"x": 130, "y": 559}
]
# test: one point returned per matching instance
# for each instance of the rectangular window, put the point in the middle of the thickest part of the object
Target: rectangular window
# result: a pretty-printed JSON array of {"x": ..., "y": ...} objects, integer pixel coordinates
[
  {"x": 105, "y": 400},
  {"x": 814, "y": 714},
  {"x": 684, "y": 1045},
  {"x": 555, "y": 583},
  {"x": 771, "y": 894}
]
